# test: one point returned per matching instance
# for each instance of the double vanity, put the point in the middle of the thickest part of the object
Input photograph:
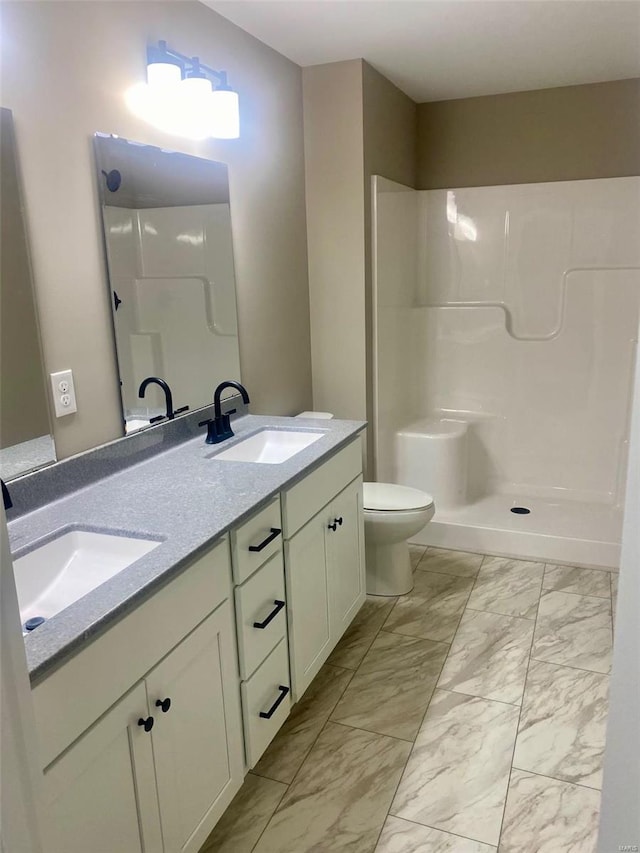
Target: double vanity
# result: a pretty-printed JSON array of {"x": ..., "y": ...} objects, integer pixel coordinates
[{"x": 157, "y": 690}]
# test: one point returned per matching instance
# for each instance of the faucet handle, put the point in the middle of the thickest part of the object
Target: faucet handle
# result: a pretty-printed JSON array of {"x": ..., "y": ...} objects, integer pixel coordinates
[
  {"x": 217, "y": 429},
  {"x": 212, "y": 430},
  {"x": 181, "y": 409}
]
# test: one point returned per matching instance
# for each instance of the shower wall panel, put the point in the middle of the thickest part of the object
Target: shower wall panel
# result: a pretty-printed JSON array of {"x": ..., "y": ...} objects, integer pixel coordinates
[{"x": 523, "y": 323}]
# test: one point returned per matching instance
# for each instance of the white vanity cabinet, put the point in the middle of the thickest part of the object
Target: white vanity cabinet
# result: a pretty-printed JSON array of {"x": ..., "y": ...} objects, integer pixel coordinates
[
  {"x": 261, "y": 620},
  {"x": 156, "y": 771},
  {"x": 146, "y": 733},
  {"x": 100, "y": 794},
  {"x": 324, "y": 560}
]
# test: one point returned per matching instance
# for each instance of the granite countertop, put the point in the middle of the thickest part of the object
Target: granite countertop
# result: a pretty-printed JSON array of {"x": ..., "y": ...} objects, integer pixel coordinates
[{"x": 180, "y": 496}]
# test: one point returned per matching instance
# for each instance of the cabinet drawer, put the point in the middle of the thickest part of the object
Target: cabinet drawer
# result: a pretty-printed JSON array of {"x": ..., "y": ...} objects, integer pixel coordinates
[
  {"x": 256, "y": 540},
  {"x": 302, "y": 501},
  {"x": 264, "y": 693},
  {"x": 261, "y": 615}
]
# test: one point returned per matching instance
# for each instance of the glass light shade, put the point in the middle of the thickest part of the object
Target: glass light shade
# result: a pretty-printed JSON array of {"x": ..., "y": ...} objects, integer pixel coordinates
[
  {"x": 225, "y": 114},
  {"x": 196, "y": 88},
  {"x": 163, "y": 74}
]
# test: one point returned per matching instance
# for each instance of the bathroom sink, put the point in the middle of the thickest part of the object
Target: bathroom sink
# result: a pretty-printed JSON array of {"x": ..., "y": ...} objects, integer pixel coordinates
[
  {"x": 269, "y": 446},
  {"x": 62, "y": 570}
]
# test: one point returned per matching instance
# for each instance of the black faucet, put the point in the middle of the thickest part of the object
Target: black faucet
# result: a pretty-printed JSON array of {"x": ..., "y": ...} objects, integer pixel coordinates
[
  {"x": 6, "y": 497},
  {"x": 167, "y": 396},
  {"x": 219, "y": 427}
]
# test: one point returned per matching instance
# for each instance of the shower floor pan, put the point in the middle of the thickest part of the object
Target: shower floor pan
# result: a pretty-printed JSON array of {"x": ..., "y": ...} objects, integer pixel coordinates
[{"x": 553, "y": 531}]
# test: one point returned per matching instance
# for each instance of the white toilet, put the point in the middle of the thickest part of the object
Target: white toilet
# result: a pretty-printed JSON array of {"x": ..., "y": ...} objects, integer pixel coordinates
[{"x": 392, "y": 515}]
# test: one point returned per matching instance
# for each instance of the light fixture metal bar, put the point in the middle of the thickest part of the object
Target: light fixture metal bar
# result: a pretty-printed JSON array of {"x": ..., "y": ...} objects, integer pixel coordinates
[{"x": 187, "y": 63}]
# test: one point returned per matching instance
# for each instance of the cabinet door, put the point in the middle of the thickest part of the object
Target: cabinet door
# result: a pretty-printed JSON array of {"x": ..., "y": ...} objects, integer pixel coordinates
[
  {"x": 307, "y": 602},
  {"x": 101, "y": 795},
  {"x": 345, "y": 558},
  {"x": 197, "y": 740}
]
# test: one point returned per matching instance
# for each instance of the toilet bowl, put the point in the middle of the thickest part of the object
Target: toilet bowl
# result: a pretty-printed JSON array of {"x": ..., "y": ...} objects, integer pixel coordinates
[{"x": 392, "y": 515}]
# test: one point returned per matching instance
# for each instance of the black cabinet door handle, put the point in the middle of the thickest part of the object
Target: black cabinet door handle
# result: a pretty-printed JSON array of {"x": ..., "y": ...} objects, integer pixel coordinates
[
  {"x": 278, "y": 607},
  {"x": 266, "y": 715},
  {"x": 338, "y": 521},
  {"x": 275, "y": 531},
  {"x": 146, "y": 724},
  {"x": 333, "y": 526},
  {"x": 164, "y": 704}
]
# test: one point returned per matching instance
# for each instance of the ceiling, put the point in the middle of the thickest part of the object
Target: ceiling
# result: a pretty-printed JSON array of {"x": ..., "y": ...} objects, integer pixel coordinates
[{"x": 439, "y": 49}]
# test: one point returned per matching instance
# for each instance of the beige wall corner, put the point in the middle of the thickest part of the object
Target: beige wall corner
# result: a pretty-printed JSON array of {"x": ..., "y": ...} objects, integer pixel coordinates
[
  {"x": 563, "y": 134},
  {"x": 390, "y": 122},
  {"x": 65, "y": 68},
  {"x": 334, "y": 164}
]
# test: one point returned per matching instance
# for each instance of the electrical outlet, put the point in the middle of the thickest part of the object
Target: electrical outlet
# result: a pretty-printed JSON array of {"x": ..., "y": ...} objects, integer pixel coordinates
[{"x": 64, "y": 394}]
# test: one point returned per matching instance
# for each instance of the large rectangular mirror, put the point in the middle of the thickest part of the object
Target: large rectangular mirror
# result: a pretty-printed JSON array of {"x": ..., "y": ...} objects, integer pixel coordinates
[
  {"x": 167, "y": 228},
  {"x": 26, "y": 441}
]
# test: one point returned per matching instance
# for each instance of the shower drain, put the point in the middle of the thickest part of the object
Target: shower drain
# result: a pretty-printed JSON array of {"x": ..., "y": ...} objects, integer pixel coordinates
[{"x": 520, "y": 510}]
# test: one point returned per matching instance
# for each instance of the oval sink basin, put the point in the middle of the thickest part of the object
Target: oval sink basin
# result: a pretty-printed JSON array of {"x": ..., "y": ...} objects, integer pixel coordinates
[
  {"x": 269, "y": 446},
  {"x": 54, "y": 575}
]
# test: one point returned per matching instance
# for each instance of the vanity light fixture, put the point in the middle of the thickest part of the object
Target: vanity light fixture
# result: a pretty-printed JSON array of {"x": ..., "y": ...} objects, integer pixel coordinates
[{"x": 184, "y": 97}]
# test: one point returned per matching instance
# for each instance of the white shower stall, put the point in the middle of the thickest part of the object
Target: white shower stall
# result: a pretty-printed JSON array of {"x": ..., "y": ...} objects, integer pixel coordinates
[{"x": 505, "y": 327}]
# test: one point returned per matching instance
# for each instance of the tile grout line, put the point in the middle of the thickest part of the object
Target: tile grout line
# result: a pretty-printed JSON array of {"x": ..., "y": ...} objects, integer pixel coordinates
[
  {"x": 284, "y": 793},
  {"x": 426, "y": 711},
  {"x": 336, "y": 705},
  {"x": 388, "y": 814},
  {"x": 446, "y": 831},
  {"x": 569, "y": 666},
  {"x": 328, "y": 720},
  {"x": 288, "y": 784},
  {"x": 295, "y": 775},
  {"x": 506, "y": 615},
  {"x": 515, "y": 740},
  {"x": 556, "y": 779},
  {"x": 474, "y": 696}
]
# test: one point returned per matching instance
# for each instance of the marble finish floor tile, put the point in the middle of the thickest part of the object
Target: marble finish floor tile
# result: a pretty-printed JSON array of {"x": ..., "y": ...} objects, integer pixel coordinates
[
  {"x": 580, "y": 581},
  {"x": 360, "y": 634},
  {"x": 574, "y": 630},
  {"x": 563, "y": 724},
  {"x": 459, "y": 563},
  {"x": 457, "y": 776},
  {"x": 489, "y": 657},
  {"x": 509, "y": 587},
  {"x": 291, "y": 745},
  {"x": 341, "y": 795},
  {"x": 243, "y": 822},
  {"x": 401, "y": 836},
  {"x": 614, "y": 595},
  {"x": 390, "y": 691},
  {"x": 416, "y": 553},
  {"x": 548, "y": 816},
  {"x": 432, "y": 609}
]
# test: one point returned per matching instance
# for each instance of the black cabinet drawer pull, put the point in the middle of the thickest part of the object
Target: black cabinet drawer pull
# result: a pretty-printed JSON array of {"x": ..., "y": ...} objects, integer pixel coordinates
[
  {"x": 266, "y": 715},
  {"x": 338, "y": 521},
  {"x": 165, "y": 704},
  {"x": 278, "y": 607},
  {"x": 147, "y": 724},
  {"x": 333, "y": 526},
  {"x": 275, "y": 531}
]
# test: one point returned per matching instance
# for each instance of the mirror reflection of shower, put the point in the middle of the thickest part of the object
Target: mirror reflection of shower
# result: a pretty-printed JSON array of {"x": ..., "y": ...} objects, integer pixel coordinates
[{"x": 168, "y": 241}]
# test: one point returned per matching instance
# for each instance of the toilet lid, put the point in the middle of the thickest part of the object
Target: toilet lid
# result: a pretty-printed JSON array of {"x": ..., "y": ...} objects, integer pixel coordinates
[{"x": 389, "y": 496}]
